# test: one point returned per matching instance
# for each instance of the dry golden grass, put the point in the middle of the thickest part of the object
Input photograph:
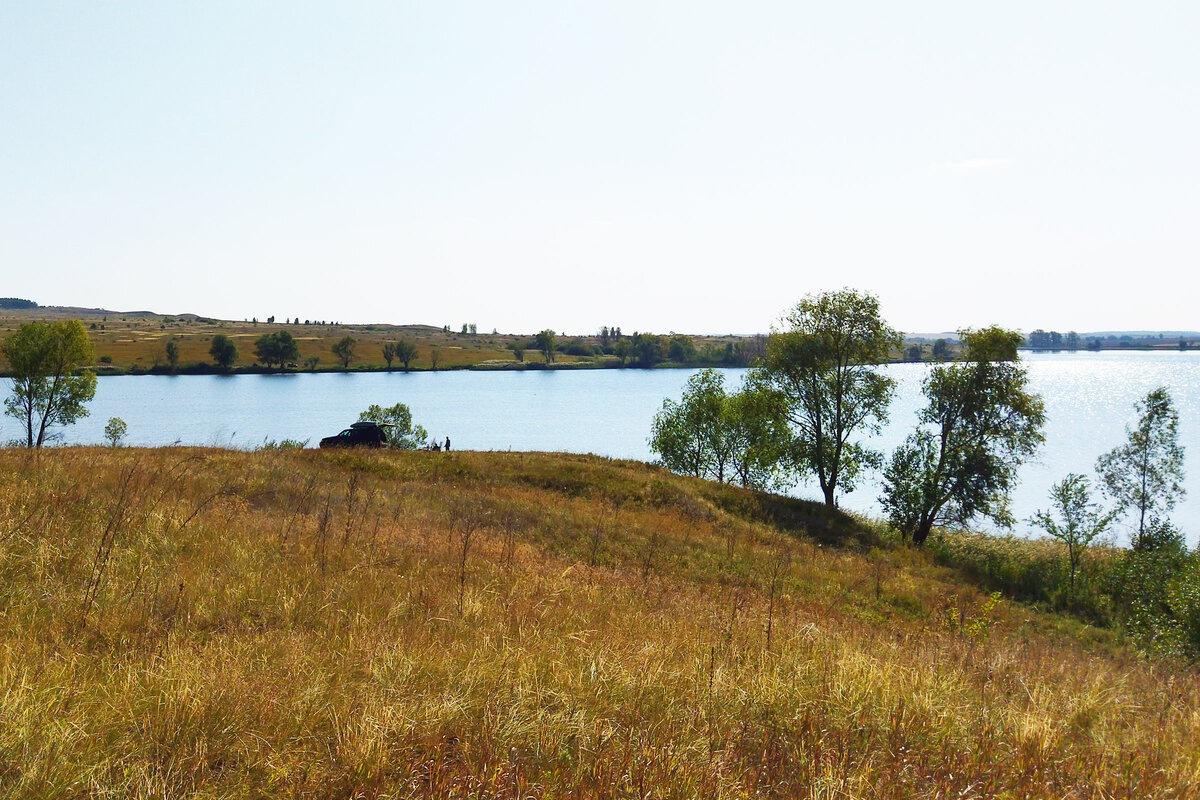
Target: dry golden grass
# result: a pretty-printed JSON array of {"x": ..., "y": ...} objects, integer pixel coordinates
[{"x": 208, "y": 623}]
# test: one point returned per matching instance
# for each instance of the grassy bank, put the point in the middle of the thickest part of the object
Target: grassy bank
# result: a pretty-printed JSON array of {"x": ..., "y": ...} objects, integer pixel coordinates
[
  {"x": 135, "y": 342},
  {"x": 299, "y": 623}
]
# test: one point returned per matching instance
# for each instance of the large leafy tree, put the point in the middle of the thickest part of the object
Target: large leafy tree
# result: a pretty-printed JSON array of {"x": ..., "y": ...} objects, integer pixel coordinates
[
  {"x": 822, "y": 364},
  {"x": 344, "y": 349},
  {"x": 980, "y": 424},
  {"x": 546, "y": 344},
  {"x": 725, "y": 437},
  {"x": 397, "y": 423},
  {"x": 49, "y": 386},
  {"x": 223, "y": 351},
  {"x": 406, "y": 351},
  {"x": 276, "y": 348},
  {"x": 1146, "y": 473}
]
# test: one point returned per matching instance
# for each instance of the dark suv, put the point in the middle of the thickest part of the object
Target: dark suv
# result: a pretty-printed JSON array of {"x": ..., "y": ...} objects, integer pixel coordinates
[{"x": 360, "y": 434}]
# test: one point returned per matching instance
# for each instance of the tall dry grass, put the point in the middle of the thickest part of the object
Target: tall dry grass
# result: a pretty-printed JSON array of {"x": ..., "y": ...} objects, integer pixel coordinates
[{"x": 188, "y": 622}]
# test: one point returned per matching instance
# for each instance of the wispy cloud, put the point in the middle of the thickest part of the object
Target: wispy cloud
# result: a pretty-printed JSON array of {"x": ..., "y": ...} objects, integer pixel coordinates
[{"x": 973, "y": 164}]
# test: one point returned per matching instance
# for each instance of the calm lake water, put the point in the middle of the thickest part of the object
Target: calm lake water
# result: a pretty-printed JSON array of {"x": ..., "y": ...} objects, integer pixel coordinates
[{"x": 1089, "y": 400}]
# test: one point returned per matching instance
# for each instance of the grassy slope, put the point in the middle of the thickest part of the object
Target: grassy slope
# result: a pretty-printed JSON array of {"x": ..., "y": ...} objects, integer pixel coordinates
[
  {"x": 220, "y": 623},
  {"x": 138, "y": 340}
]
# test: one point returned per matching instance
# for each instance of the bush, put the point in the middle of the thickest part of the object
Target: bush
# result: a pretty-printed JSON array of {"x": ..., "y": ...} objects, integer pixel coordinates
[
  {"x": 578, "y": 347},
  {"x": 283, "y": 444}
]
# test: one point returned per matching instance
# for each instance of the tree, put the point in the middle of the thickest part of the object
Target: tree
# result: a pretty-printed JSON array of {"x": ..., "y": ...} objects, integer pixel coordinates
[
  {"x": 724, "y": 437},
  {"x": 681, "y": 348},
  {"x": 1081, "y": 523},
  {"x": 687, "y": 435},
  {"x": 397, "y": 423},
  {"x": 115, "y": 430},
  {"x": 172, "y": 353},
  {"x": 344, "y": 349},
  {"x": 223, "y": 351},
  {"x": 941, "y": 350},
  {"x": 648, "y": 349},
  {"x": 276, "y": 348},
  {"x": 979, "y": 425},
  {"x": 759, "y": 432},
  {"x": 406, "y": 351},
  {"x": 518, "y": 350},
  {"x": 546, "y": 344},
  {"x": 389, "y": 352},
  {"x": 622, "y": 349},
  {"x": 1146, "y": 473},
  {"x": 49, "y": 388},
  {"x": 822, "y": 365}
]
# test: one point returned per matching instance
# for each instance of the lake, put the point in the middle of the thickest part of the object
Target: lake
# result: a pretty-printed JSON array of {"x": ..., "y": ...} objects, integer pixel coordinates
[{"x": 1089, "y": 400}]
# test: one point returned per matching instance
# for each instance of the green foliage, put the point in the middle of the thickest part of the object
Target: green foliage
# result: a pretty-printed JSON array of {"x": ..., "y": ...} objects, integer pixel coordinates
[
  {"x": 406, "y": 351},
  {"x": 711, "y": 434},
  {"x": 277, "y": 349},
  {"x": 648, "y": 349},
  {"x": 941, "y": 350},
  {"x": 48, "y": 388},
  {"x": 283, "y": 444},
  {"x": 172, "y": 351},
  {"x": 397, "y": 423},
  {"x": 622, "y": 349},
  {"x": 1151, "y": 574},
  {"x": 389, "y": 352},
  {"x": 987, "y": 345},
  {"x": 822, "y": 366},
  {"x": 223, "y": 351},
  {"x": 681, "y": 349},
  {"x": 1146, "y": 473},
  {"x": 518, "y": 350},
  {"x": 546, "y": 344},
  {"x": 688, "y": 435},
  {"x": 980, "y": 423},
  {"x": 115, "y": 430},
  {"x": 344, "y": 349},
  {"x": 1080, "y": 521},
  {"x": 578, "y": 347}
]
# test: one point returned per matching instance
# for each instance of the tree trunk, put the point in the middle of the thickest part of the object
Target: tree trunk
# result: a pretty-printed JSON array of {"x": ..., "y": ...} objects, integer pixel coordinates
[
  {"x": 922, "y": 532},
  {"x": 828, "y": 489}
]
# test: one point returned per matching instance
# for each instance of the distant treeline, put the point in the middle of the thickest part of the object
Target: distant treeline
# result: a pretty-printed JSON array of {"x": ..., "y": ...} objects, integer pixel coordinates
[
  {"x": 16, "y": 302},
  {"x": 651, "y": 349},
  {"x": 1053, "y": 340}
]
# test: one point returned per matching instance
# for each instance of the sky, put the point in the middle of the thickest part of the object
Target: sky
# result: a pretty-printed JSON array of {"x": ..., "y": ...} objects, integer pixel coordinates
[{"x": 658, "y": 166}]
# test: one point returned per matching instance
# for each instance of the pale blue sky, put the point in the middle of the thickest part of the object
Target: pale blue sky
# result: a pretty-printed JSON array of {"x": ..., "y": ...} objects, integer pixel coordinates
[{"x": 654, "y": 165}]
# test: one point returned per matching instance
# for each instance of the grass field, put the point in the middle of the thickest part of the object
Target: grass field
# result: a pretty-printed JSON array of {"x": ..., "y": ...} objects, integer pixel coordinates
[
  {"x": 210, "y": 623},
  {"x": 137, "y": 341}
]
